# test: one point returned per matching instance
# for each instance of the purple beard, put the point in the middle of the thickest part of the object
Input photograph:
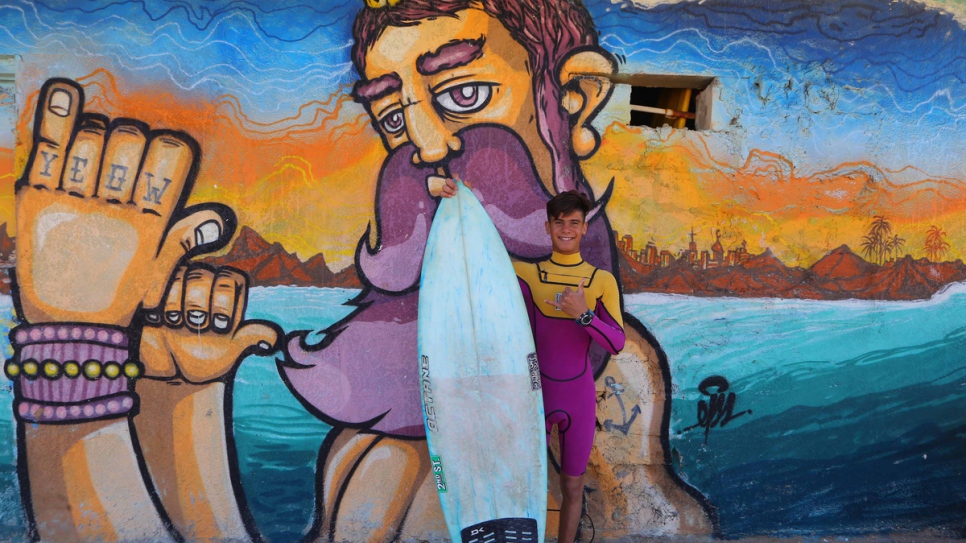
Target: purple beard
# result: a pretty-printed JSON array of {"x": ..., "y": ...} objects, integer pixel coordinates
[{"x": 364, "y": 372}]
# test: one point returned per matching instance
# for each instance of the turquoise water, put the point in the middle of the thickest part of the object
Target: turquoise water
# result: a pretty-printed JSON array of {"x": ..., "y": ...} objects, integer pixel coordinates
[
  {"x": 856, "y": 418},
  {"x": 277, "y": 439}
]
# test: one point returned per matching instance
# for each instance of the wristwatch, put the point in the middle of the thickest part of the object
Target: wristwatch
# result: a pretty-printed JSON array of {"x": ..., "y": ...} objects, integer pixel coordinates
[{"x": 586, "y": 318}]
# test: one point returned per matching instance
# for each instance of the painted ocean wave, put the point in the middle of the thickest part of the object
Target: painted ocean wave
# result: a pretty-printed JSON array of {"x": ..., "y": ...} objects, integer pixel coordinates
[{"x": 878, "y": 404}]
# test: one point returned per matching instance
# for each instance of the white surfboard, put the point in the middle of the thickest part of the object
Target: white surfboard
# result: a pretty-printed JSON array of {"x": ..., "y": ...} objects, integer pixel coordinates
[{"x": 480, "y": 384}]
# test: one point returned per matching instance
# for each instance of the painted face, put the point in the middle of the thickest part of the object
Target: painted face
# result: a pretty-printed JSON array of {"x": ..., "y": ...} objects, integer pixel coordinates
[
  {"x": 428, "y": 81},
  {"x": 566, "y": 232}
]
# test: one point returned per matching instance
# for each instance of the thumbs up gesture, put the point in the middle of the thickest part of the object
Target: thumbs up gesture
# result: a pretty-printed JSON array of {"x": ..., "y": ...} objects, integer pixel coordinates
[{"x": 572, "y": 302}]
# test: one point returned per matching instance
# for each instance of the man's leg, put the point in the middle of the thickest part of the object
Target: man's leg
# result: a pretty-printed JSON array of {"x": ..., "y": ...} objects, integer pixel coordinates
[{"x": 572, "y": 489}]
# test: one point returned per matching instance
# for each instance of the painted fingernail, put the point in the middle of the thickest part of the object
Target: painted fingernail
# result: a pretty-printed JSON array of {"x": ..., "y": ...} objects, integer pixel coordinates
[
  {"x": 208, "y": 232},
  {"x": 59, "y": 103},
  {"x": 220, "y": 322},
  {"x": 263, "y": 345},
  {"x": 197, "y": 317},
  {"x": 152, "y": 317},
  {"x": 173, "y": 317}
]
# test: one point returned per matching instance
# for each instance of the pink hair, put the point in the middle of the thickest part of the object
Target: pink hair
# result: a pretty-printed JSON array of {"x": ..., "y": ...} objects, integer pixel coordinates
[{"x": 548, "y": 29}]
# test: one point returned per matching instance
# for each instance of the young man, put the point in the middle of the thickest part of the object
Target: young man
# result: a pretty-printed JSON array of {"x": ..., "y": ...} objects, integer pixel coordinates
[
  {"x": 571, "y": 305},
  {"x": 565, "y": 322}
]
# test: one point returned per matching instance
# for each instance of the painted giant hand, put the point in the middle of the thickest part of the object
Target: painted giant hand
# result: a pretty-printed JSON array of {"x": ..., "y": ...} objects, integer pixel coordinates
[
  {"x": 102, "y": 226},
  {"x": 502, "y": 94}
]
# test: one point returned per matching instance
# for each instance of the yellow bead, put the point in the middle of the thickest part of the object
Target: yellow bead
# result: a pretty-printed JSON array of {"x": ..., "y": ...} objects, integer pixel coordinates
[
  {"x": 13, "y": 370},
  {"x": 132, "y": 370},
  {"x": 112, "y": 370},
  {"x": 51, "y": 369},
  {"x": 92, "y": 369},
  {"x": 72, "y": 369},
  {"x": 31, "y": 368}
]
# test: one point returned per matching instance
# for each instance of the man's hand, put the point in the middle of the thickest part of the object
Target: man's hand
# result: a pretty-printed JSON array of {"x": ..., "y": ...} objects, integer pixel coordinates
[
  {"x": 572, "y": 302},
  {"x": 441, "y": 186},
  {"x": 101, "y": 221},
  {"x": 199, "y": 333}
]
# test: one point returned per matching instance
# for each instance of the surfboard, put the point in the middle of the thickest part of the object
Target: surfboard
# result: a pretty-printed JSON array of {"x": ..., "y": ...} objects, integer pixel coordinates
[{"x": 479, "y": 382}]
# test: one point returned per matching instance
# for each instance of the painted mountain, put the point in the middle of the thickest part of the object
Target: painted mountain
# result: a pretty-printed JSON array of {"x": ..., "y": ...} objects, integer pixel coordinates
[{"x": 269, "y": 264}]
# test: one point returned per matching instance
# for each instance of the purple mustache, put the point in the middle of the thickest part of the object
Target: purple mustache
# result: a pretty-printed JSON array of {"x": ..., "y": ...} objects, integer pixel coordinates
[{"x": 499, "y": 168}]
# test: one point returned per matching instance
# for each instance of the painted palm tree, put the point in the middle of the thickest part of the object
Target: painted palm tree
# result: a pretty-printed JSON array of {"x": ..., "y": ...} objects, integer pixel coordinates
[
  {"x": 876, "y": 243},
  {"x": 895, "y": 245},
  {"x": 870, "y": 247},
  {"x": 936, "y": 244}
]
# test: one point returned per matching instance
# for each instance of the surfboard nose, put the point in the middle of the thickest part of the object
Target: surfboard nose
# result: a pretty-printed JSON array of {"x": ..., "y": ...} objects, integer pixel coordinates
[{"x": 501, "y": 530}]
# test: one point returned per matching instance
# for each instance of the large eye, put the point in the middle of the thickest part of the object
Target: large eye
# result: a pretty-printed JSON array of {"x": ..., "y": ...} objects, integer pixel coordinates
[
  {"x": 464, "y": 98},
  {"x": 393, "y": 122}
]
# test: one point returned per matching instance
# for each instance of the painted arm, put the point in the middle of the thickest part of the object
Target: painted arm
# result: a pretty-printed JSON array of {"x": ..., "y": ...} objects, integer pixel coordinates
[
  {"x": 100, "y": 228},
  {"x": 190, "y": 347}
]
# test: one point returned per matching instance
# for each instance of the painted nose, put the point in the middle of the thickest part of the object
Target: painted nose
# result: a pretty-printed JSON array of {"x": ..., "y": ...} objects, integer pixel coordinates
[{"x": 433, "y": 140}]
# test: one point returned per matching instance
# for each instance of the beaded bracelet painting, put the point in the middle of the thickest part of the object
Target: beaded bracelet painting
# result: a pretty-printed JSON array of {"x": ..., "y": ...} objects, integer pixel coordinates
[{"x": 68, "y": 373}]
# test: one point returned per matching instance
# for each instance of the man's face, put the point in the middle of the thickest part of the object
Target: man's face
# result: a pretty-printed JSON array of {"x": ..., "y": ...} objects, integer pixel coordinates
[
  {"x": 428, "y": 81},
  {"x": 566, "y": 231}
]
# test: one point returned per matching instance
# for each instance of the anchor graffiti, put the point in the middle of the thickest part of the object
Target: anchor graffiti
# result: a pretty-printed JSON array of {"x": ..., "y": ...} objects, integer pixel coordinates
[{"x": 616, "y": 391}]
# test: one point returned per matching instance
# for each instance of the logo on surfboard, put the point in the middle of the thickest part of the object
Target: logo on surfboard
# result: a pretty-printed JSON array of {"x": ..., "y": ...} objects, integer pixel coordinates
[
  {"x": 427, "y": 390},
  {"x": 438, "y": 474},
  {"x": 534, "y": 371}
]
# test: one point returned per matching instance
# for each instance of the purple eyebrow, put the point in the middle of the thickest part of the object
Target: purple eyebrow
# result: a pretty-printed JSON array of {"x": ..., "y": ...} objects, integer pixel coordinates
[
  {"x": 451, "y": 55},
  {"x": 367, "y": 91}
]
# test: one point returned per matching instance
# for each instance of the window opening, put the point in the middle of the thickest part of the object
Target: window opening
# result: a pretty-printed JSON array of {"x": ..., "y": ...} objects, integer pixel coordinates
[
  {"x": 655, "y": 107},
  {"x": 681, "y": 101}
]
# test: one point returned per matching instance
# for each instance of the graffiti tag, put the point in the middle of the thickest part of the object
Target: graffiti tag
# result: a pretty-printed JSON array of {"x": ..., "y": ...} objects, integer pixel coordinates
[
  {"x": 616, "y": 391},
  {"x": 718, "y": 410}
]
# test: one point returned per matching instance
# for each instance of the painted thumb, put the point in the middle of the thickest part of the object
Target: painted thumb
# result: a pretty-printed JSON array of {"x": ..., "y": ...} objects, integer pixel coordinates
[
  {"x": 196, "y": 230},
  {"x": 259, "y": 337}
]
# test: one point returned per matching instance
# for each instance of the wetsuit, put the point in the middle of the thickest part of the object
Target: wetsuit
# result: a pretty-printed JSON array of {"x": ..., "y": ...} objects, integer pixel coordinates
[{"x": 563, "y": 345}]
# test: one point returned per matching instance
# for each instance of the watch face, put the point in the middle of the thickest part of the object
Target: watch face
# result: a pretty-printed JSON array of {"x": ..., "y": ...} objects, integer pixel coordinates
[{"x": 586, "y": 318}]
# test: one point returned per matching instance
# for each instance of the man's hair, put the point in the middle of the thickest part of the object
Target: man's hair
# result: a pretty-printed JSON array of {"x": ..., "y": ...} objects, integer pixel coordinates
[
  {"x": 549, "y": 30},
  {"x": 566, "y": 203}
]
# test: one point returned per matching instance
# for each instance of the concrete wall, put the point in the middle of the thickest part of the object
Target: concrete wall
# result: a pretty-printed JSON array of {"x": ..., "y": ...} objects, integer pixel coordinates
[{"x": 213, "y": 238}]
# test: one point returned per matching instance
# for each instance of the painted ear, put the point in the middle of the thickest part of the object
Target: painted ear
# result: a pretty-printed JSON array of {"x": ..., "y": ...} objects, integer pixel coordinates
[{"x": 586, "y": 86}]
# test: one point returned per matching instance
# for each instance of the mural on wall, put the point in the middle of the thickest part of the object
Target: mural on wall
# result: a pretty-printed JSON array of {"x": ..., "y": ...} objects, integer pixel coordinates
[{"x": 221, "y": 210}]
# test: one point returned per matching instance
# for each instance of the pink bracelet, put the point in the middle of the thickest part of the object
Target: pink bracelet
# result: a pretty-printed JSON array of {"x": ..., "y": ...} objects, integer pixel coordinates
[{"x": 66, "y": 373}]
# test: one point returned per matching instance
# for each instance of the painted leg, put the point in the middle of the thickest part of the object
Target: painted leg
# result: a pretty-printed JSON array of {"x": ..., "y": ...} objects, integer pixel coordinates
[{"x": 369, "y": 482}]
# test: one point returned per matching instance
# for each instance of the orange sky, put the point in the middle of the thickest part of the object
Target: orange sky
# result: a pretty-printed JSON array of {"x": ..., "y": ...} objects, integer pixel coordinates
[
  {"x": 308, "y": 181},
  {"x": 663, "y": 188}
]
